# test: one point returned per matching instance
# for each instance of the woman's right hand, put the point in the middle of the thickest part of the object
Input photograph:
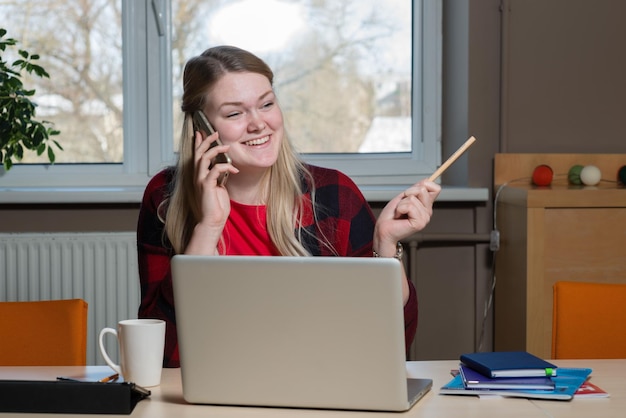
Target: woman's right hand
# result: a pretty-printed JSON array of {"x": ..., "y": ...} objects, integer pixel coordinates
[{"x": 214, "y": 199}]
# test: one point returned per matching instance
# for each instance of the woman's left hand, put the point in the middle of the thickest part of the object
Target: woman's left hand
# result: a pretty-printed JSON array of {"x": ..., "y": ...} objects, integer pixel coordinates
[{"x": 405, "y": 214}]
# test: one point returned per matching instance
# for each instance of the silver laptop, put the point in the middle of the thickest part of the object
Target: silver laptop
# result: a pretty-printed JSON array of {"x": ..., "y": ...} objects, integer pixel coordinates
[{"x": 300, "y": 332}]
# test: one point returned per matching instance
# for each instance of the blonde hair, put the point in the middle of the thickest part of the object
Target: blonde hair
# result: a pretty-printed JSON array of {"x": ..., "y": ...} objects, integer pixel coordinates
[{"x": 285, "y": 202}]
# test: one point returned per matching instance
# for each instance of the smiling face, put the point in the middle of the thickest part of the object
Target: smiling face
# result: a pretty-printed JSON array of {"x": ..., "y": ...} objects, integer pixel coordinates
[{"x": 243, "y": 108}]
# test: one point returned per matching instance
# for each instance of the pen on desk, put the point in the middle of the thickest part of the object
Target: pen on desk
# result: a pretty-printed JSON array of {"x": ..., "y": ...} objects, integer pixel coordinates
[
  {"x": 107, "y": 379},
  {"x": 111, "y": 378}
]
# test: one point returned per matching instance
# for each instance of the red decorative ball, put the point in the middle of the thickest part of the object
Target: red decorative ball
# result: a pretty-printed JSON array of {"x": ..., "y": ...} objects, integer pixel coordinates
[{"x": 542, "y": 175}]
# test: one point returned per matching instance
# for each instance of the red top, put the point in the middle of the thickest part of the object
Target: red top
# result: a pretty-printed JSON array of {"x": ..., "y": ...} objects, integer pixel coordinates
[{"x": 245, "y": 232}]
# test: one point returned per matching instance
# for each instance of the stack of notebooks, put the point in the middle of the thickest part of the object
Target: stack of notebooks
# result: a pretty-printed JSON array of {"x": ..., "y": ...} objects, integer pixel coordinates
[{"x": 515, "y": 374}]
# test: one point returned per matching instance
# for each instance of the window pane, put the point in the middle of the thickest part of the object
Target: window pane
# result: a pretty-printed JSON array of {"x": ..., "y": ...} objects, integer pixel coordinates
[
  {"x": 80, "y": 44},
  {"x": 342, "y": 68}
]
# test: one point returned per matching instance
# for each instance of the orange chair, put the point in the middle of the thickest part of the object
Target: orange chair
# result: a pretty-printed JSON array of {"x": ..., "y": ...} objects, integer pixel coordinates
[
  {"x": 589, "y": 321},
  {"x": 43, "y": 333}
]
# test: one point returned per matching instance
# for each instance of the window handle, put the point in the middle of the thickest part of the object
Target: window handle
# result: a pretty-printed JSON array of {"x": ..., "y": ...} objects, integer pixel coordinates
[{"x": 158, "y": 6}]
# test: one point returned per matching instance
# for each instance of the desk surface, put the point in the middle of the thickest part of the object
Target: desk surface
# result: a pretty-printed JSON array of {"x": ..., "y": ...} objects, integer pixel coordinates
[{"x": 167, "y": 401}]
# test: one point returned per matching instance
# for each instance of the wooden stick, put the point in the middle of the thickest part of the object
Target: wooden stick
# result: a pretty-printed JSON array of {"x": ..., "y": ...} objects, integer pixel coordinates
[{"x": 452, "y": 159}]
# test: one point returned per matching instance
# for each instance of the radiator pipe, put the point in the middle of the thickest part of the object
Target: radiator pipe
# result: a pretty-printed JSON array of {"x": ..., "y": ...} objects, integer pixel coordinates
[{"x": 415, "y": 239}]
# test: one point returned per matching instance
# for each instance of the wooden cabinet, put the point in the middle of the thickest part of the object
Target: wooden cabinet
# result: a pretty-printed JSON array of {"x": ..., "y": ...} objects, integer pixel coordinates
[{"x": 549, "y": 234}]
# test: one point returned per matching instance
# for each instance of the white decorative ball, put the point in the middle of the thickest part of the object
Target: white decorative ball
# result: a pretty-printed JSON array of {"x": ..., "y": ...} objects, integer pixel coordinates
[{"x": 590, "y": 175}]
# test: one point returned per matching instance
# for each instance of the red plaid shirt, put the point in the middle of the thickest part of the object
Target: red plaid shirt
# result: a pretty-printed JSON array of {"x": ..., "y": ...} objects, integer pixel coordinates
[{"x": 343, "y": 217}]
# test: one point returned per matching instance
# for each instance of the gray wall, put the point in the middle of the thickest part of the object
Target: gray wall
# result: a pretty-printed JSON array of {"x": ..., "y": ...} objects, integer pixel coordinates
[{"x": 536, "y": 76}]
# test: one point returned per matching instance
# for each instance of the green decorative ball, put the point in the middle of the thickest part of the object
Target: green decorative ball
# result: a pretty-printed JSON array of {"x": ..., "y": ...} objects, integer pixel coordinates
[{"x": 573, "y": 175}]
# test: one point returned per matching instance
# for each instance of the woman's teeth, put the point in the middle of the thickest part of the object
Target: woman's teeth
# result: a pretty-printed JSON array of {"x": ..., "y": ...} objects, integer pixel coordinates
[{"x": 259, "y": 141}]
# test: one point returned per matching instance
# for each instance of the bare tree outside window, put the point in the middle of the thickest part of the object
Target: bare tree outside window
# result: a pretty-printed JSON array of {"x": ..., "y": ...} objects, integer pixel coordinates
[
  {"x": 343, "y": 68},
  {"x": 79, "y": 43}
]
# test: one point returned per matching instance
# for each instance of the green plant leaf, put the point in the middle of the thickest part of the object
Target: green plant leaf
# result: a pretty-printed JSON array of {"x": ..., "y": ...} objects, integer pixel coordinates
[
  {"x": 40, "y": 71},
  {"x": 19, "y": 151},
  {"x": 51, "y": 155}
]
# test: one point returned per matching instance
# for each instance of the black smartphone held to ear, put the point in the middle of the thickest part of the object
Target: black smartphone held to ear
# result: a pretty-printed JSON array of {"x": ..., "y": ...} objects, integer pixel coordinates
[{"x": 201, "y": 123}]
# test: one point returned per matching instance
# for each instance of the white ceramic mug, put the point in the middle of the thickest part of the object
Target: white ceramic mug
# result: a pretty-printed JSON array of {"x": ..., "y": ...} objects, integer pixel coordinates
[{"x": 141, "y": 343}]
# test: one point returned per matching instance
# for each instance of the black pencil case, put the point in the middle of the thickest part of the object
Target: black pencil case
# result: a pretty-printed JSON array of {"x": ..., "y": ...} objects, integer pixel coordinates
[{"x": 69, "y": 397}]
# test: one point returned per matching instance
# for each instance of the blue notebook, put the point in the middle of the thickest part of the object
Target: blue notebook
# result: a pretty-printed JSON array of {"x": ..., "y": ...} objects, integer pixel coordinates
[
  {"x": 509, "y": 364},
  {"x": 565, "y": 386},
  {"x": 474, "y": 380}
]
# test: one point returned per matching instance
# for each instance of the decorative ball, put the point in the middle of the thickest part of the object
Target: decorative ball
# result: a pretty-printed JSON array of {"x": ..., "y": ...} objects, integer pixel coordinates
[
  {"x": 573, "y": 175},
  {"x": 542, "y": 175},
  {"x": 621, "y": 175},
  {"x": 590, "y": 175}
]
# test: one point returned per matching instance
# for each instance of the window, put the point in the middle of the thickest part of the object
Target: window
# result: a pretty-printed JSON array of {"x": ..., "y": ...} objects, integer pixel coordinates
[{"x": 358, "y": 81}]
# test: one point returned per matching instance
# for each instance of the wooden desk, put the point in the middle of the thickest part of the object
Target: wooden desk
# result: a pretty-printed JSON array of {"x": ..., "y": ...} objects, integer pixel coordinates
[{"x": 167, "y": 400}]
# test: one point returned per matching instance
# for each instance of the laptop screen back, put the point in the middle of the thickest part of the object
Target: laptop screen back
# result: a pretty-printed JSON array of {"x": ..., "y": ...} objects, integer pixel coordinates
[{"x": 313, "y": 332}]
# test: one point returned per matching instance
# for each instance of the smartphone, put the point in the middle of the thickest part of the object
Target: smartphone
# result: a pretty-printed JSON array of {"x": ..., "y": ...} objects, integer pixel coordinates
[{"x": 201, "y": 123}]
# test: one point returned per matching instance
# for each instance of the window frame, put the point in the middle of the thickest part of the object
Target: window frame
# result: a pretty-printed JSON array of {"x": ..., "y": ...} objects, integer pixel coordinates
[{"x": 148, "y": 119}]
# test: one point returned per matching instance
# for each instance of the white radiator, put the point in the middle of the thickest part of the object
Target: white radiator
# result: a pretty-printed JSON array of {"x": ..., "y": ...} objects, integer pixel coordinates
[{"x": 100, "y": 268}]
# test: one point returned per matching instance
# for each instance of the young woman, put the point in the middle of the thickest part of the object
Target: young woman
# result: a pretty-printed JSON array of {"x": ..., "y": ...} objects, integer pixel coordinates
[{"x": 272, "y": 204}]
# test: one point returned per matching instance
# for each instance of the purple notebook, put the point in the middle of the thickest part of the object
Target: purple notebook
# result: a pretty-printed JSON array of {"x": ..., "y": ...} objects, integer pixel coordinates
[{"x": 475, "y": 380}]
